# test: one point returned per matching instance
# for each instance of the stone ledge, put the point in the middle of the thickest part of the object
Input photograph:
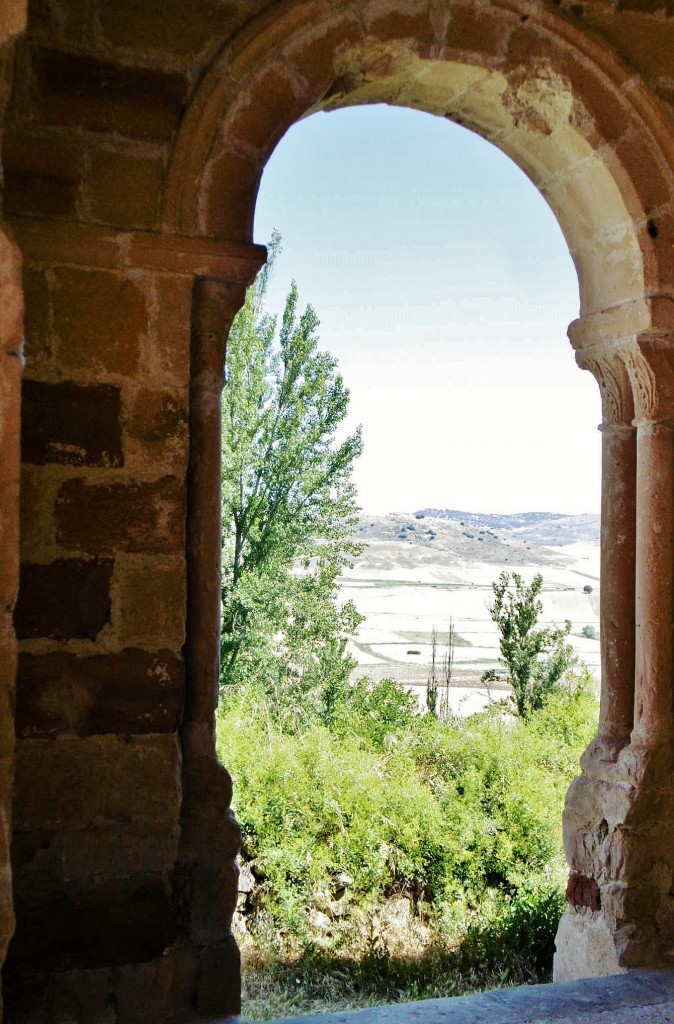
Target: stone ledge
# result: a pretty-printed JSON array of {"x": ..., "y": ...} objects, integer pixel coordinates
[{"x": 636, "y": 997}]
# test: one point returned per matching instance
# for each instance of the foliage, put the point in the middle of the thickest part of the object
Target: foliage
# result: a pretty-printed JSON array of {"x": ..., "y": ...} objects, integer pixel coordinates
[
  {"x": 462, "y": 818},
  {"x": 589, "y": 632},
  {"x": 289, "y": 507},
  {"x": 535, "y": 659}
]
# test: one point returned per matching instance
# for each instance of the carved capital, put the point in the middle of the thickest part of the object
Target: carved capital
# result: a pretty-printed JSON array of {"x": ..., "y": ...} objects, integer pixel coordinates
[
  {"x": 610, "y": 371},
  {"x": 649, "y": 360}
]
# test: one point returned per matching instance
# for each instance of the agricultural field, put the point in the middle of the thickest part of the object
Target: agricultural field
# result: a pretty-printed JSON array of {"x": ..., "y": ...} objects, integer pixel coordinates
[{"x": 422, "y": 570}]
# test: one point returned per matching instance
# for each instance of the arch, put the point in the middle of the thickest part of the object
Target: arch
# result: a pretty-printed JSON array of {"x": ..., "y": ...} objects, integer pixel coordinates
[{"x": 594, "y": 143}]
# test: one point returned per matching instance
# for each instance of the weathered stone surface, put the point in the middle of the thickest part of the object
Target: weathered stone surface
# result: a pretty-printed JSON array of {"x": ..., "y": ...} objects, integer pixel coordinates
[
  {"x": 67, "y": 599},
  {"x": 66, "y": 784},
  {"x": 218, "y": 988},
  {"x": 125, "y": 189},
  {"x": 99, "y": 320},
  {"x": 71, "y": 424},
  {"x": 167, "y": 27},
  {"x": 151, "y": 599},
  {"x": 84, "y": 92},
  {"x": 143, "y": 993},
  {"x": 582, "y": 891},
  {"x": 133, "y": 918},
  {"x": 43, "y": 175},
  {"x": 129, "y": 692},
  {"x": 102, "y": 518}
]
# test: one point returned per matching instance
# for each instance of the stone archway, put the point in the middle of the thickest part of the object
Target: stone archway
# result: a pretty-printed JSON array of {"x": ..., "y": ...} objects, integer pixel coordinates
[{"x": 587, "y": 135}]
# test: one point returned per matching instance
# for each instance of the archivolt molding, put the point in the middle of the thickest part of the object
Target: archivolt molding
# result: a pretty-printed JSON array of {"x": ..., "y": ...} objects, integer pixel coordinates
[{"x": 317, "y": 49}]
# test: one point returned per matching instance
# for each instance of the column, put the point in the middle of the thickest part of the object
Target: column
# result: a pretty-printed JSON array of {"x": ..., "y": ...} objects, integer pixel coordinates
[{"x": 654, "y": 719}]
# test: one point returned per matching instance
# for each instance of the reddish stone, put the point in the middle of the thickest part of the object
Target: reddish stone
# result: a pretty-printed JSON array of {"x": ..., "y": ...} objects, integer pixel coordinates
[
  {"x": 83, "y": 92},
  {"x": 158, "y": 415},
  {"x": 99, "y": 320},
  {"x": 130, "y": 692},
  {"x": 38, "y": 340},
  {"x": 125, "y": 189},
  {"x": 475, "y": 30},
  {"x": 234, "y": 183},
  {"x": 582, "y": 891},
  {"x": 76, "y": 781},
  {"x": 168, "y": 26},
  {"x": 262, "y": 115},
  {"x": 169, "y": 349},
  {"x": 66, "y": 600},
  {"x": 43, "y": 174},
  {"x": 104, "y": 518},
  {"x": 71, "y": 424}
]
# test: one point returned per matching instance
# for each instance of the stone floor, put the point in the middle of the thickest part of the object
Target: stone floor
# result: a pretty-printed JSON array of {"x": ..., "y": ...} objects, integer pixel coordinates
[{"x": 637, "y": 997}]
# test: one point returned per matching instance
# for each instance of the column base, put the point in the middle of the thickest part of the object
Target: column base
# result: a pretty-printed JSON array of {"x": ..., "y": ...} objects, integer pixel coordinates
[{"x": 585, "y": 946}]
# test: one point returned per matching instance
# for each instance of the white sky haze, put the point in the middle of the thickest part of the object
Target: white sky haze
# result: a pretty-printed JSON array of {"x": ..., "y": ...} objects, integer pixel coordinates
[{"x": 444, "y": 288}]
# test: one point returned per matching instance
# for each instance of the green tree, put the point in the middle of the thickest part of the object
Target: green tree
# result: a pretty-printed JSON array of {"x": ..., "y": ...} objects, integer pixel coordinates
[
  {"x": 535, "y": 659},
  {"x": 288, "y": 509}
]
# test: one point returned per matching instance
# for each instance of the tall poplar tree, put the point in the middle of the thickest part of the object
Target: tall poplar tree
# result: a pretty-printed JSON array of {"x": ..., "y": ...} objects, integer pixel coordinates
[{"x": 289, "y": 509}]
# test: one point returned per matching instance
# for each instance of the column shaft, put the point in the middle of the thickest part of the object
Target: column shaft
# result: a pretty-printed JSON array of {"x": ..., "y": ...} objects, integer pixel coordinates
[
  {"x": 617, "y": 598},
  {"x": 654, "y": 696}
]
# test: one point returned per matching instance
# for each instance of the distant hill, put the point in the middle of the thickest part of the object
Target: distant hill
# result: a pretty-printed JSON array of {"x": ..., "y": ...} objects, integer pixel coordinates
[{"x": 549, "y": 529}]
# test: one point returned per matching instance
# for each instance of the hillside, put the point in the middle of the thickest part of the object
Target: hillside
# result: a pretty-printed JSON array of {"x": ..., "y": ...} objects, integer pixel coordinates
[
  {"x": 419, "y": 570},
  {"x": 553, "y": 529}
]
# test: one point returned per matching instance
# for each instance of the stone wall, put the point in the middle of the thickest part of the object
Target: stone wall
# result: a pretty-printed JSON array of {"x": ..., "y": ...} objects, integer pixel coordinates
[
  {"x": 12, "y": 23},
  {"x": 136, "y": 132}
]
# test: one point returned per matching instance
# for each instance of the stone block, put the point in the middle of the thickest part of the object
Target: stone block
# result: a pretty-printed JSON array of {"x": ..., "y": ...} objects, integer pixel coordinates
[
  {"x": 168, "y": 26},
  {"x": 66, "y": 783},
  {"x": 38, "y": 531},
  {"x": 218, "y": 990},
  {"x": 43, "y": 174},
  {"x": 151, "y": 600},
  {"x": 314, "y": 58},
  {"x": 415, "y": 25},
  {"x": 642, "y": 47},
  {"x": 94, "y": 924},
  {"x": 169, "y": 348},
  {"x": 235, "y": 179},
  {"x": 147, "y": 992},
  {"x": 118, "y": 850},
  {"x": 475, "y": 30},
  {"x": 53, "y": 20},
  {"x": 71, "y": 424},
  {"x": 100, "y": 318},
  {"x": 156, "y": 429},
  {"x": 125, "y": 190},
  {"x": 83, "y": 92},
  {"x": 261, "y": 117},
  {"x": 155, "y": 416},
  {"x": 67, "y": 599},
  {"x": 104, "y": 518},
  {"x": 38, "y": 344},
  {"x": 131, "y": 692}
]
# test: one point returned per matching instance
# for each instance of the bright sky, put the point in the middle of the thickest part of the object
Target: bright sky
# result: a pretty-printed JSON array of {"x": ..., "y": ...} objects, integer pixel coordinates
[{"x": 444, "y": 288}]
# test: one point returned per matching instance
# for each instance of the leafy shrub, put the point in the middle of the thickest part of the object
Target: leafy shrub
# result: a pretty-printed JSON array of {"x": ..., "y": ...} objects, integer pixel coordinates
[
  {"x": 460, "y": 815},
  {"x": 518, "y": 940},
  {"x": 589, "y": 632}
]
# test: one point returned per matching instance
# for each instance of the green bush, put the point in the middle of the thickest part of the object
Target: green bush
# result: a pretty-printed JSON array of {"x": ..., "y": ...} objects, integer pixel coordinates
[{"x": 464, "y": 817}]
